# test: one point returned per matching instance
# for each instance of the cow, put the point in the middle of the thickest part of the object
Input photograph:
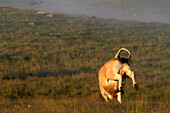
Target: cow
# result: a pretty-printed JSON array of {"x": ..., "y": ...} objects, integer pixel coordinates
[{"x": 112, "y": 76}]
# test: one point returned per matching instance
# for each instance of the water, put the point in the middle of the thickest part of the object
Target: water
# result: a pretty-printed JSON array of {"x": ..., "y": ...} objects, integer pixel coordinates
[{"x": 138, "y": 10}]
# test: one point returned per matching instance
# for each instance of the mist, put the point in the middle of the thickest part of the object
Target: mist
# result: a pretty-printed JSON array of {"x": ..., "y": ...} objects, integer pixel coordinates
[{"x": 134, "y": 10}]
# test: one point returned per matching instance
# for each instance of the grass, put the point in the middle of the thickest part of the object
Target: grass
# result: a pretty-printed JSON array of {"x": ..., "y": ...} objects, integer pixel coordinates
[
  {"x": 52, "y": 65},
  {"x": 53, "y": 92},
  {"x": 73, "y": 94}
]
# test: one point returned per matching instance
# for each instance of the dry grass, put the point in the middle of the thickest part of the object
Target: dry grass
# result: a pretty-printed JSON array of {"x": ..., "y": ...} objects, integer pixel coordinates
[{"x": 85, "y": 98}]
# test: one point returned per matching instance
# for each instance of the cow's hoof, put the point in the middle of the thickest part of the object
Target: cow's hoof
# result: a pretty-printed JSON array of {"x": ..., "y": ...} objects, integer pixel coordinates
[{"x": 136, "y": 86}]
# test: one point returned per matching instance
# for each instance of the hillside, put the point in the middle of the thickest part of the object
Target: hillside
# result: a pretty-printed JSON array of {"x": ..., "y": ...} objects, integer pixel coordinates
[{"x": 52, "y": 62}]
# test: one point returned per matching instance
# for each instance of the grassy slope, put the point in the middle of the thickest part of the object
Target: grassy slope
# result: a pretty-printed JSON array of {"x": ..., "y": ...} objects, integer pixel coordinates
[{"x": 53, "y": 63}]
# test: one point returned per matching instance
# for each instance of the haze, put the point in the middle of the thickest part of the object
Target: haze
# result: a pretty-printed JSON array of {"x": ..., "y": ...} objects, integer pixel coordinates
[{"x": 138, "y": 10}]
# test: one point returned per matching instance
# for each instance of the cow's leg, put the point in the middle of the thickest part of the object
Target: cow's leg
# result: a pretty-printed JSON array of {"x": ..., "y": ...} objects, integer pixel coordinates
[
  {"x": 116, "y": 77},
  {"x": 119, "y": 97},
  {"x": 110, "y": 97},
  {"x": 114, "y": 85},
  {"x": 132, "y": 76},
  {"x": 119, "y": 77},
  {"x": 104, "y": 94}
]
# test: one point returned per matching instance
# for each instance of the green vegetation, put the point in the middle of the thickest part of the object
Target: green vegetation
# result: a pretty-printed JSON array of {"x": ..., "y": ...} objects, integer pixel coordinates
[{"x": 50, "y": 64}]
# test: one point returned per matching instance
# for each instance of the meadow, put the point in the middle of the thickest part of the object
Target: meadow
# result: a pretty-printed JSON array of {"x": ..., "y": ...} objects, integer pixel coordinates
[{"x": 50, "y": 64}]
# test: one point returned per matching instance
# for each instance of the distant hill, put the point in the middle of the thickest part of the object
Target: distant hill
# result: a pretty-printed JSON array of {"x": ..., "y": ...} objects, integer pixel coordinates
[{"x": 145, "y": 10}]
